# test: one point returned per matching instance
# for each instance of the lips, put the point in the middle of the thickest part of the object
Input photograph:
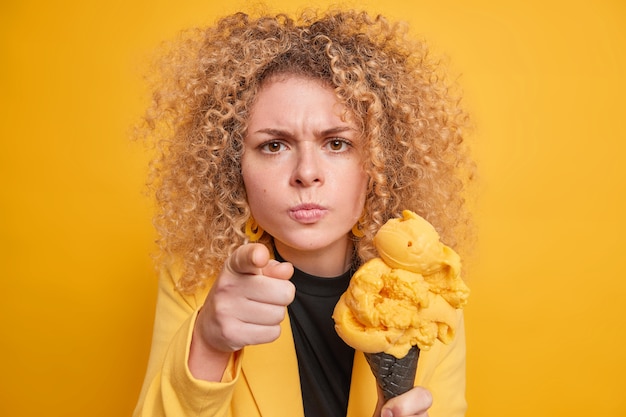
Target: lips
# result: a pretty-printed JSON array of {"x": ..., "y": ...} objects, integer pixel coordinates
[{"x": 307, "y": 213}]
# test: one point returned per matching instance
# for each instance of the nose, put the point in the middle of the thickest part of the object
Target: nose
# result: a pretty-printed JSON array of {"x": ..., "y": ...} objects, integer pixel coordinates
[{"x": 308, "y": 170}]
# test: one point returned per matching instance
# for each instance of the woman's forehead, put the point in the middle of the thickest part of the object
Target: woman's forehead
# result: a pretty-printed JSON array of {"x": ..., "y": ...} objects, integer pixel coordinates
[{"x": 347, "y": 114}]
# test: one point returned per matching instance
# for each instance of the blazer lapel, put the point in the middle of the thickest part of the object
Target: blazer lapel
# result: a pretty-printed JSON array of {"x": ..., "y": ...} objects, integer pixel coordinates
[
  {"x": 271, "y": 371},
  {"x": 363, "y": 393}
]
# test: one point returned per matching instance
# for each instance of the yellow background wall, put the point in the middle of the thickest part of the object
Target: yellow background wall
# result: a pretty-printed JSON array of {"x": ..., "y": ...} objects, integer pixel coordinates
[{"x": 545, "y": 82}]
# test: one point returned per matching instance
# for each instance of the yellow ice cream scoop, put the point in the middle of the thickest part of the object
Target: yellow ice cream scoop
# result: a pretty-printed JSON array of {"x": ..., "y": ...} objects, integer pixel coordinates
[
  {"x": 402, "y": 301},
  {"x": 406, "y": 297}
]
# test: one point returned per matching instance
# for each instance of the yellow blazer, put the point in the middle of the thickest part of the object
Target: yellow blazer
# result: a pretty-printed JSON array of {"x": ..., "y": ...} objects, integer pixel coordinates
[{"x": 263, "y": 380}]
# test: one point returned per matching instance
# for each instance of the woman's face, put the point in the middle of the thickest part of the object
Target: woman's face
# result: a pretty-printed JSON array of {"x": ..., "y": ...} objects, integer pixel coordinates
[{"x": 302, "y": 169}]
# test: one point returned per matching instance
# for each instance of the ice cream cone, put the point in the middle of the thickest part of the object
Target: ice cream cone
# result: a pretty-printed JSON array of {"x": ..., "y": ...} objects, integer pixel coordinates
[
  {"x": 404, "y": 300},
  {"x": 394, "y": 376}
]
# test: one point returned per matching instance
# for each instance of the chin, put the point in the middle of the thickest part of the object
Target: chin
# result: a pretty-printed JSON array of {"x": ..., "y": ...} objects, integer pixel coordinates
[{"x": 314, "y": 242}]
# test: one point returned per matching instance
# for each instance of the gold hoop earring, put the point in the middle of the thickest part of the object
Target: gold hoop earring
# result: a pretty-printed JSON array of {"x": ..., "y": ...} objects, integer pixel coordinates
[
  {"x": 253, "y": 230},
  {"x": 357, "y": 231}
]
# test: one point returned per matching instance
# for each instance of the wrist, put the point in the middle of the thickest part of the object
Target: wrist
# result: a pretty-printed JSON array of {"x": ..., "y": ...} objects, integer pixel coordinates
[{"x": 206, "y": 362}]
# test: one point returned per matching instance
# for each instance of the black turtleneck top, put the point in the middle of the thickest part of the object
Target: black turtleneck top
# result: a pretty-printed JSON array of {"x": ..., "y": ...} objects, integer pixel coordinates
[{"x": 324, "y": 360}]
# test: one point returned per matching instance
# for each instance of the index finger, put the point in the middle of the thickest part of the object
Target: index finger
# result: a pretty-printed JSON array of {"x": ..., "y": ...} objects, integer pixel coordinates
[{"x": 250, "y": 258}]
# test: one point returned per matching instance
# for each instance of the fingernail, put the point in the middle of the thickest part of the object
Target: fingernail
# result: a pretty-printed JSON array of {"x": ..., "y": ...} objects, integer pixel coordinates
[{"x": 387, "y": 413}]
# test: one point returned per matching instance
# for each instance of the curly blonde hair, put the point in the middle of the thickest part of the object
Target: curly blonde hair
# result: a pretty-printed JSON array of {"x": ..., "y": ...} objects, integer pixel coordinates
[{"x": 412, "y": 126}]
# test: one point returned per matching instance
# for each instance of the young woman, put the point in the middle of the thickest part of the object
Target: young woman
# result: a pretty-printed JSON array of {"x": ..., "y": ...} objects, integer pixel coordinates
[{"x": 285, "y": 145}]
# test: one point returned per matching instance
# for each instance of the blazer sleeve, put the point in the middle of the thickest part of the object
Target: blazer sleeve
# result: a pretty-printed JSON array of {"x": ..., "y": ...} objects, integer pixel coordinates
[
  {"x": 447, "y": 376},
  {"x": 169, "y": 389}
]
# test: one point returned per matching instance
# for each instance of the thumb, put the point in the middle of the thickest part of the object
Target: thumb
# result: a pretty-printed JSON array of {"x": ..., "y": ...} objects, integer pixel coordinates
[
  {"x": 280, "y": 270},
  {"x": 415, "y": 402}
]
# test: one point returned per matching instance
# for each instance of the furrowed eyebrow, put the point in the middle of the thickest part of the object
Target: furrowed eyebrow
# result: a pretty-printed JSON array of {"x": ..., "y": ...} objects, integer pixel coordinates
[
  {"x": 335, "y": 130},
  {"x": 327, "y": 132},
  {"x": 274, "y": 132}
]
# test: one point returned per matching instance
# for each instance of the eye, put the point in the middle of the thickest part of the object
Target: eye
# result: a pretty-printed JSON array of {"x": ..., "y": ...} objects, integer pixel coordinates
[
  {"x": 337, "y": 145},
  {"x": 272, "y": 147}
]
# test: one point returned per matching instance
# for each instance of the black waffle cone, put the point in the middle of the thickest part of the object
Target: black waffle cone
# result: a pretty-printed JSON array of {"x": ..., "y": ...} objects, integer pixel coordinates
[{"x": 394, "y": 376}]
